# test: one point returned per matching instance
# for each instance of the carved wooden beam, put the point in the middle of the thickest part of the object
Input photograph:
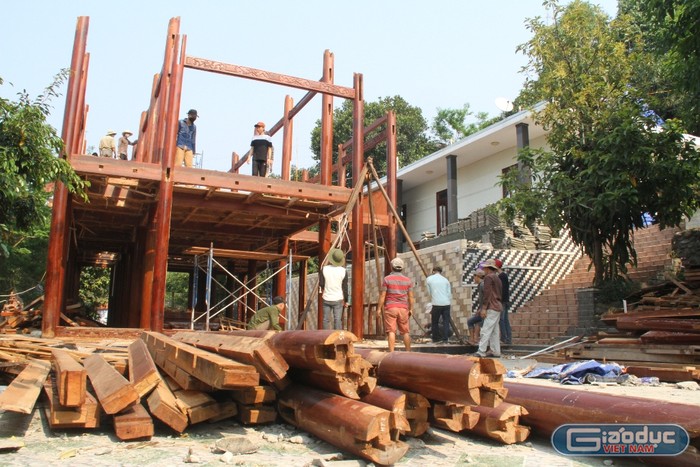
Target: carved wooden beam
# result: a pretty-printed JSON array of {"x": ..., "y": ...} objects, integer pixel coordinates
[{"x": 268, "y": 77}]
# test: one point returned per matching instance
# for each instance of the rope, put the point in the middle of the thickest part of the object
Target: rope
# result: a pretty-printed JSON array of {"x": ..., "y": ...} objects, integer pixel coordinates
[{"x": 22, "y": 292}]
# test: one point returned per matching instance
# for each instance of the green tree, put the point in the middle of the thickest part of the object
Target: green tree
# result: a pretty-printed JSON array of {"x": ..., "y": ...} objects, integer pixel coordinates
[
  {"x": 450, "y": 125},
  {"x": 176, "y": 290},
  {"x": 23, "y": 270},
  {"x": 94, "y": 288},
  {"x": 670, "y": 33},
  {"x": 607, "y": 163},
  {"x": 29, "y": 165},
  {"x": 412, "y": 140}
]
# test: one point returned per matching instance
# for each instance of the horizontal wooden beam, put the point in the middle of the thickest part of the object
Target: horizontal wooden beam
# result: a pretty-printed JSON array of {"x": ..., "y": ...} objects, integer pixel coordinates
[
  {"x": 91, "y": 165},
  {"x": 237, "y": 254},
  {"x": 307, "y": 191},
  {"x": 268, "y": 77}
]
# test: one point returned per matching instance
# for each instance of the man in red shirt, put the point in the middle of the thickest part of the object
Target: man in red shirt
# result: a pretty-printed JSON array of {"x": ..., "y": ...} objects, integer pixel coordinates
[{"x": 396, "y": 304}]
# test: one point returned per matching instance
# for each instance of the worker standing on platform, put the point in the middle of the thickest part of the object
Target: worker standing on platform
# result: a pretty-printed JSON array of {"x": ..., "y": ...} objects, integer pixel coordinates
[
  {"x": 124, "y": 144},
  {"x": 108, "y": 148},
  {"x": 396, "y": 304},
  {"x": 260, "y": 151},
  {"x": 186, "y": 140}
]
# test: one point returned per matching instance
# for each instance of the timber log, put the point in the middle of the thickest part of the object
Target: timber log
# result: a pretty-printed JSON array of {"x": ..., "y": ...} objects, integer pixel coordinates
[
  {"x": 394, "y": 401},
  {"x": 359, "y": 428},
  {"x": 453, "y": 378},
  {"x": 550, "y": 407}
]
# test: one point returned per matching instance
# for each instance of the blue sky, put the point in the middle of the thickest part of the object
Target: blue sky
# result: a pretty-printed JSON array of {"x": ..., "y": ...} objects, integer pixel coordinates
[{"x": 439, "y": 54}]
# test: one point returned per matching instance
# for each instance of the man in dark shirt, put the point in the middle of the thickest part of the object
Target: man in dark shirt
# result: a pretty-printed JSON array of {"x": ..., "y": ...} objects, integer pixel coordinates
[
  {"x": 261, "y": 151},
  {"x": 506, "y": 334},
  {"x": 491, "y": 311},
  {"x": 186, "y": 140}
]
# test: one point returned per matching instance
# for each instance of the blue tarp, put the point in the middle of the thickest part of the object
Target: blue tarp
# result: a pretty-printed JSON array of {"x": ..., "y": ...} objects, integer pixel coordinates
[{"x": 579, "y": 372}]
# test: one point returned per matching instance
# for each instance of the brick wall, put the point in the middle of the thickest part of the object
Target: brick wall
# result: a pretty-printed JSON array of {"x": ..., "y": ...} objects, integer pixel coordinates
[{"x": 555, "y": 312}]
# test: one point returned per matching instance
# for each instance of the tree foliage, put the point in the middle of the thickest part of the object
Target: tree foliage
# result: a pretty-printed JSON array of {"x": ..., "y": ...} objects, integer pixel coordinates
[
  {"x": 670, "y": 32},
  {"x": 29, "y": 165},
  {"x": 176, "y": 290},
  {"x": 412, "y": 140},
  {"x": 94, "y": 288},
  {"x": 23, "y": 270},
  {"x": 450, "y": 125},
  {"x": 607, "y": 163}
]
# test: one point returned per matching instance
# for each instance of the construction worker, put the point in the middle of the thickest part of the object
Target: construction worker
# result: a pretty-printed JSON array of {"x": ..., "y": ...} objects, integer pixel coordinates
[
  {"x": 260, "y": 151},
  {"x": 186, "y": 139},
  {"x": 108, "y": 147},
  {"x": 396, "y": 304},
  {"x": 268, "y": 317}
]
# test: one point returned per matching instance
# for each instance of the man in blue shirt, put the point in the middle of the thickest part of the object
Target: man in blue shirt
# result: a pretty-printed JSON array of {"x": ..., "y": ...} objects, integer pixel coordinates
[
  {"x": 441, "y": 299},
  {"x": 186, "y": 139}
]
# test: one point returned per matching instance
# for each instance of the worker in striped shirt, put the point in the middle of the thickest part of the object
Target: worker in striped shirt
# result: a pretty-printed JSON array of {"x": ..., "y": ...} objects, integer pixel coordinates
[{"x": 396, "y": 304}]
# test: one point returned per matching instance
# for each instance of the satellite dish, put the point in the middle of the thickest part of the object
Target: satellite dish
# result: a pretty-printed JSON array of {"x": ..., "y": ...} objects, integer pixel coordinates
[{"x": 504, "y": 104}]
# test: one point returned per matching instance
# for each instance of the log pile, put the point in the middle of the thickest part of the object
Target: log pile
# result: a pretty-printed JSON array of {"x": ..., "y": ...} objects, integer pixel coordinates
[
  {"x": 467, "y": 399},
  {"x": 314, "y": 380},
  {"x": 658, "y": 334},
  {"x": 394, "y": 395}
]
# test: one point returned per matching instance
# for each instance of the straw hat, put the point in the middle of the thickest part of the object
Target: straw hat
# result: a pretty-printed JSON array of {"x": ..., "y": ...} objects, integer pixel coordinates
[
  {"x": 127, "y": 132},
  {"x": 260, "y": 124},
  {"x": 111, "y": 132}
]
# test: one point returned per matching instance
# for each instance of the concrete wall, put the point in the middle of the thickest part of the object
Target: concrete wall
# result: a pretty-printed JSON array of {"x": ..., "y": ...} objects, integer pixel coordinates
[{"x": 477, "y": 186}]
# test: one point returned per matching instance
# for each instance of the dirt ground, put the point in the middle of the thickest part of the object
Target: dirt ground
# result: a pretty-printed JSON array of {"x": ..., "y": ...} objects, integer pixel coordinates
[{"x": 283, "y": 445}]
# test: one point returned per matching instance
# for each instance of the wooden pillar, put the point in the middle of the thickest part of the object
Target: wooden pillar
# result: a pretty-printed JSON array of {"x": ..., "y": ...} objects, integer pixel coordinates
[
  {"x": 251, "y": 280},
  {"x": 165, "y": 195},
  {"x": 357, "y": 230},
  {"x": 242, "y": 315},
  {"x": 136, "y": 277},
  {"x": 149, "y": 256},
  {"x": 392, "y": 164},
  {"x": 303, "y": 276},
  {"x": 231, "y": 287},
  {"x": 287, "y": 139},
  {"x": 342, "y": 176},
  {"x": 281, "y": 282},
  {"x": 146, "y": 148},
  {"x": 58, "y": 233},
  {"x": 326, "y": 169}
]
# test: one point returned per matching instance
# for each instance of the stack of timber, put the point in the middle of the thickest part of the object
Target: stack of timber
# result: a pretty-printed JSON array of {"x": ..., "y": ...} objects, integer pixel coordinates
[
  {"x": 14, "y": 315},
  {"x": 328, "y": 379},
  {"x": 468, "y": 398},
  {"x": 657, "y": 335}
]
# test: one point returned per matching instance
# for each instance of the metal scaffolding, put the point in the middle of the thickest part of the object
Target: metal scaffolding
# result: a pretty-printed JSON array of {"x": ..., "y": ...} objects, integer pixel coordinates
[{"x": 208, "y": 264}]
